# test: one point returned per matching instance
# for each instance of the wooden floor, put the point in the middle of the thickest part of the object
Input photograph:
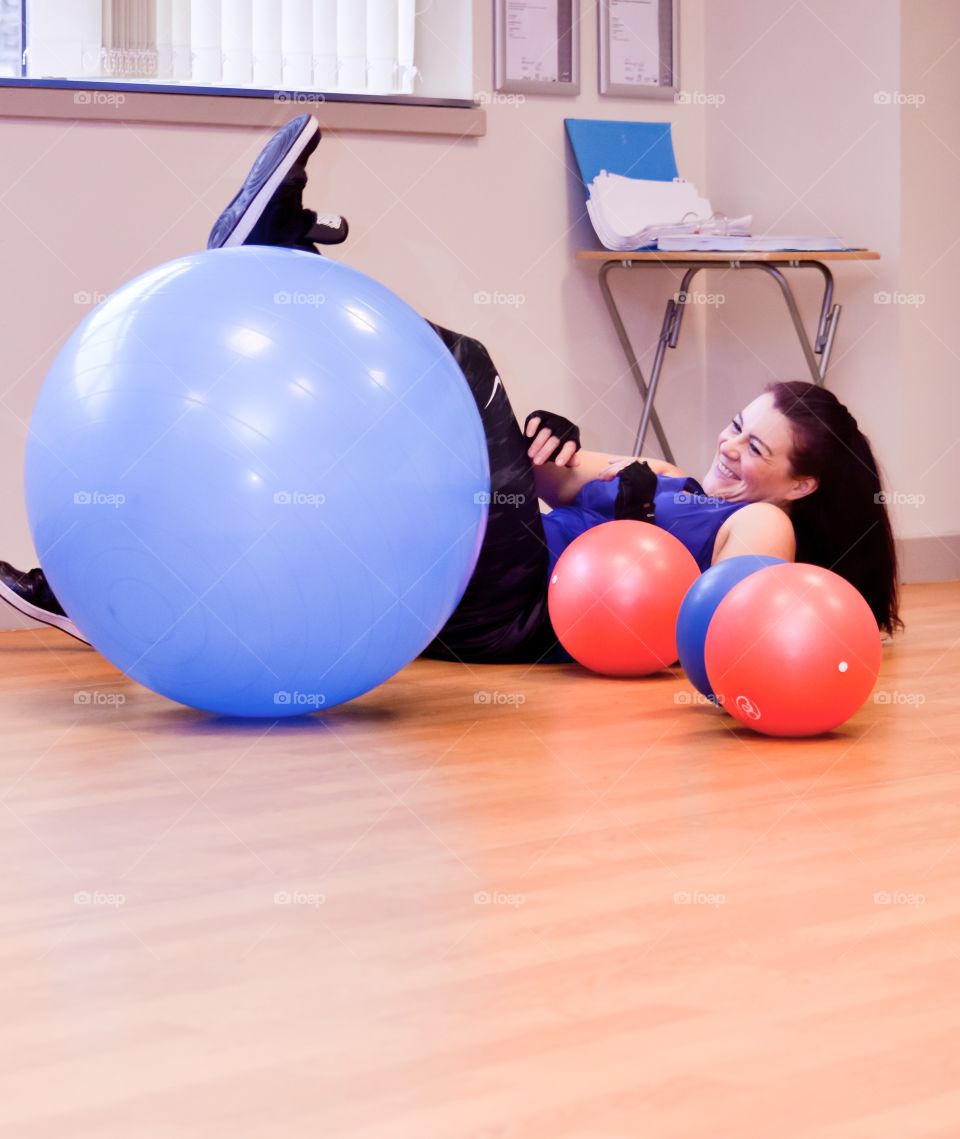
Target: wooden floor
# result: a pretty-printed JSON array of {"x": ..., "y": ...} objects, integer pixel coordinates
[{"x": 574, "y": 908}]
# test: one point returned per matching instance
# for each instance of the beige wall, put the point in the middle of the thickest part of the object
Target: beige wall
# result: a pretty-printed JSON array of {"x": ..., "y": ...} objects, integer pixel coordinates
[
  {"x": 821, "y": 129},
  {"x": 930, "y": 332},
  {"x": 84, "y": 207}
]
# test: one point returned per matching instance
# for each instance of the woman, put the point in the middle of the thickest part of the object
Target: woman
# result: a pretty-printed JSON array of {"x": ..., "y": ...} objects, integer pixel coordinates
[
  {"x": 805, "y": 475},
  {"x": 793, "y": 476}
]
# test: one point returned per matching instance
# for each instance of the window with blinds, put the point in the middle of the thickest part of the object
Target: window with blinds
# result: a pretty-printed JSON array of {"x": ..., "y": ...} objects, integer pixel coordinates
[
  {"x": 9, "y": 37},
  {"x": 326, "y": 46}
]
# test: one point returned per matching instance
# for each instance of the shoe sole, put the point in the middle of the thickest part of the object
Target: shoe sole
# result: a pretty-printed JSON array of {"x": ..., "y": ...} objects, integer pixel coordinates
[
  {"x": 44, "y": 616},
  {"x": 272, "y": 165}
]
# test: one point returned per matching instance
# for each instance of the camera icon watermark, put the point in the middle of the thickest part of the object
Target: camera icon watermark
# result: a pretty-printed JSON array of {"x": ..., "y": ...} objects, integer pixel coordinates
[
  {"x": 499, "y": 99},
  {"x": 295, "y": 699},
  {"x": 899, "y": 98},
  {"x": 711, "y": 300},
  {"x": 299, "y": 898},
  {"x": 299, "y": 498},
  {"x": 112, "y": 99},
  {"x": 312, "y": 300},
  {"x": 98, "y": 498},
  {"x": 498, "y": 898},
  {"x": 697, "y": 698},
  {"x": 498, "y": 498},
  {"x": 698, "y": 898},
  {"x": 896, "y": 498},
  {"x": 699, "y": 99},
  {"x": 509, "y": 300},
  {"x": 900, "y": 699},
  {"x": 99, "y": 898},
  {"x": 96, "y": 699},
  {"x": 908, "y": 300},
  {"x": 507, "y": 699},
  {"x": 898, "y": 898},
  {"x": 685, "y": 497},
  {"x": 312, "y": 98}
]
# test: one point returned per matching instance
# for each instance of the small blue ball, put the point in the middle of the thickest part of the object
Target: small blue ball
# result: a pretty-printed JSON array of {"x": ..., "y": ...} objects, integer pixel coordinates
[{"x": 699, "y": 605}]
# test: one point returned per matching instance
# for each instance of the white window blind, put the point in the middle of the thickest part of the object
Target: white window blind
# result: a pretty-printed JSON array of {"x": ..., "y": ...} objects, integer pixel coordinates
[
  {"x": 65, "y": 38},
  {"x": 9, "y": 38},
  {"x": 356, "y": 46}
]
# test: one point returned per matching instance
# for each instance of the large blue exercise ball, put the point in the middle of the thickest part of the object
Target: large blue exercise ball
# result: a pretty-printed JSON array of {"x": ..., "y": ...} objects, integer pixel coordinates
[
  {"x": 699, "y": 605},
  {"x": 257, "y": 481}
]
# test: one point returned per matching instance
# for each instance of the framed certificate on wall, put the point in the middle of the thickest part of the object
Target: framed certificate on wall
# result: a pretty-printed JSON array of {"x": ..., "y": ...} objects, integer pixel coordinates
[
  {"x": 537, "y": 46},
  {"x": 639, "y": 48}
]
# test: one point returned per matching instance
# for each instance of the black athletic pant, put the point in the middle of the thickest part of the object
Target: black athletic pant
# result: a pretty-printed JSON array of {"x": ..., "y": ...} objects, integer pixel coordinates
[{"x": 502, "y": 617}]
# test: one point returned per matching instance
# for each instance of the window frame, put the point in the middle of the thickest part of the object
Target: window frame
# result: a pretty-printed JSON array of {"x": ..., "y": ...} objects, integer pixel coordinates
[{"x": 240, "y": 105}]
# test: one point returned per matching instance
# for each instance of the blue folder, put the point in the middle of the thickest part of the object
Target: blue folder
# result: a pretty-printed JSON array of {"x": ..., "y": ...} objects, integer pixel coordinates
[{"x": 635, "y": 150}]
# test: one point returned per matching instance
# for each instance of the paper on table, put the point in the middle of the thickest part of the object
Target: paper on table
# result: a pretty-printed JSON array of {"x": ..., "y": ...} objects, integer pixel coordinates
[
  {"x": 631, "y": 213},
  {"x": 767, "y": 243}
]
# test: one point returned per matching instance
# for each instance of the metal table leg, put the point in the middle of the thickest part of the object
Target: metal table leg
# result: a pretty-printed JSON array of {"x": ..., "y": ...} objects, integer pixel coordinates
[
  {"x": 816, "y": 352},
  {"x": 646, "y": 396},
  {"x": 829, "y": 314},
  {"x": 669, "y": 332}
]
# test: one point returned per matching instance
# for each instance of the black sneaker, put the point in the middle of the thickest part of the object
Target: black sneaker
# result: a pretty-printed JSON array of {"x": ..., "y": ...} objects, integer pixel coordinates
[
  {"x": 29, "y": 593},
  {"x": 268, "y": 210}
]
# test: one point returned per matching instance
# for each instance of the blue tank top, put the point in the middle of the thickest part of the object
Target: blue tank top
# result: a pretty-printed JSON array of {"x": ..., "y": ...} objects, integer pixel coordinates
[{"x": 680, "y": 506}]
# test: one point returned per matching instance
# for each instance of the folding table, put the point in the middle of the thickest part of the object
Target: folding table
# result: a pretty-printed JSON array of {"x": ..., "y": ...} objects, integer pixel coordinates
[{"x": 816, "y": 348}]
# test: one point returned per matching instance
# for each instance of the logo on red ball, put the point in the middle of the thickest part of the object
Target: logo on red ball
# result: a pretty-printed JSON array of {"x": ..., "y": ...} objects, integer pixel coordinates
[{"x": 748, "y": 708}]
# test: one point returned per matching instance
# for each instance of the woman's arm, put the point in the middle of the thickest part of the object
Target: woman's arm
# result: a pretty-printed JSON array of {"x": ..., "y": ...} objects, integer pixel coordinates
[
  {"x": 561, "y": 468},
  {"x": 760, "y": 528},
  {"x": 558, "y": 485}
]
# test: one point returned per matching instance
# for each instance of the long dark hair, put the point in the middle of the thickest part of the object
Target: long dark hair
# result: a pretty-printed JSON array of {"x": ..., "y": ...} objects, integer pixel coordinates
[{"x": 843, "y": 525}]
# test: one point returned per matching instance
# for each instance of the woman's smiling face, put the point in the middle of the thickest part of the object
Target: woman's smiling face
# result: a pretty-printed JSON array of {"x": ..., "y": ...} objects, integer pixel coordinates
[{"x": 752, "y": 460}]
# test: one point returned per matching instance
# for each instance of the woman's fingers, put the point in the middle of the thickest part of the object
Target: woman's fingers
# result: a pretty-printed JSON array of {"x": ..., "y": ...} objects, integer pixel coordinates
[
  {"x": 613, "y": 469},
  {"x": 543, "y": 446},
  {"x": 539, "y": 438},
  {"x": 545, "y": 443},
  {"x": 568, "y": 455}
]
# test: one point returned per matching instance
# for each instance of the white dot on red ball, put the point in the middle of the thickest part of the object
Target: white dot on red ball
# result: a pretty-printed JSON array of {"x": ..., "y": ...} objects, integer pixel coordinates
[
  {"x": 553, "y": 579},
  {"x": 843, "y": 666}
]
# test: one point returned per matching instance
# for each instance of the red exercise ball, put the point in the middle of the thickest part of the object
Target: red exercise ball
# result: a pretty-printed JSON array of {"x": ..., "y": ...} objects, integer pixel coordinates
[
  {"x": 615, "y": 594},
  {"x": 793, "y": 650}
]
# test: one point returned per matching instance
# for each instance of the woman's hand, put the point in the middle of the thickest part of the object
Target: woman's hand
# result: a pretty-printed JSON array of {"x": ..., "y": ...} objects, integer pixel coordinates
[
  {"x": 545, "y": 443},
  {"x": 614, "y": 467},
  {"x": 658, "y": 466}
]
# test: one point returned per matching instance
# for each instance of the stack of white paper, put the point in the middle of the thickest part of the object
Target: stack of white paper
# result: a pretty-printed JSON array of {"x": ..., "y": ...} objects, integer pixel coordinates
[
  {"x": 768, "y": 243},
  {"x": 632, "y": 213}
]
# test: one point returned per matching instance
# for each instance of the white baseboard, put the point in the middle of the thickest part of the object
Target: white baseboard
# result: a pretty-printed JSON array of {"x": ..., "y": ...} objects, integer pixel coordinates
[{"x": 935, "y": 558}]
